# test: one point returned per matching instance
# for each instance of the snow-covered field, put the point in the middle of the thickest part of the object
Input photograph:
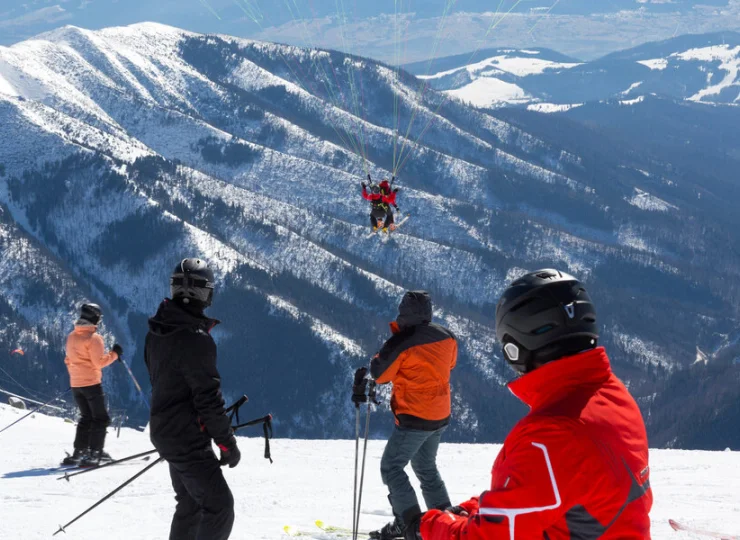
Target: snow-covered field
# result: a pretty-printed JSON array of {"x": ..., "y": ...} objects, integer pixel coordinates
[{"x": 309, "y": 480}]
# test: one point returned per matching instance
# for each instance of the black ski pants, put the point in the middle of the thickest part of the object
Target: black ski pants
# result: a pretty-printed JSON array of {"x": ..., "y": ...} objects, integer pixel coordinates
[
  {"x": 378, "y": 212},
  {"x": 93, "y": 417},
  {"x": 205, "y": 506}
]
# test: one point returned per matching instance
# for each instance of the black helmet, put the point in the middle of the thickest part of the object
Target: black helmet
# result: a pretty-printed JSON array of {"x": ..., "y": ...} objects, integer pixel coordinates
[
  {"x": 544, "y": 316},
  {"x": 192, "y": 282},
  {"x": 91, "y": 313}
]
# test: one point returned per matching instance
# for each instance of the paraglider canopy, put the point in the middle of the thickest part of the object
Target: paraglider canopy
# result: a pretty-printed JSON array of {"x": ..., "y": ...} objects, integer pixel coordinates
[{"x": 18, "y": 351}]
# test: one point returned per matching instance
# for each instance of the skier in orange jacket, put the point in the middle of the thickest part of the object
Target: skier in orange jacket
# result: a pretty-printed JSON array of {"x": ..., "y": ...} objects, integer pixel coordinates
[{"x": 85, "y": 360}]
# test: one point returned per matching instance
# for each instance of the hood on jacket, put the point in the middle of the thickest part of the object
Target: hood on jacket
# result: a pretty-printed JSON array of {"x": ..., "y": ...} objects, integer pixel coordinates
[
  {"x": 415, "y": 309},
  {"x": 172, "y": 317}
]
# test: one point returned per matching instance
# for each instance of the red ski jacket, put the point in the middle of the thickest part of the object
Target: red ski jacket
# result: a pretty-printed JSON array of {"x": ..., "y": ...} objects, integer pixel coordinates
[
  {"x": 372, "y": 197},
  {"x": 386, "y": 196},
  {"x": 576, "y": 467}
]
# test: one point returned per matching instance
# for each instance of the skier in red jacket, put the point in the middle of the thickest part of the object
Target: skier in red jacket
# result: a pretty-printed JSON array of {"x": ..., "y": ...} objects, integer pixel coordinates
[
  {"x": 576, "y": 467},
  {"x": 382, "y": 197}
]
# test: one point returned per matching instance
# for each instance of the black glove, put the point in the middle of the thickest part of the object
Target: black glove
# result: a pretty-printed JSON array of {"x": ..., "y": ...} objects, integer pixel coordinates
[
  {"x": 396, "y": 207},
  {"x": 118, "y": 350},
  {"x": 359, "y": 387},
  {"x": 230, "y": 454},
  {"x": 457, "y": 510},
  {"x": 413, "y": 529},
  {"x": 395, "y": 190},
  {"x": 364, "y": 185}
]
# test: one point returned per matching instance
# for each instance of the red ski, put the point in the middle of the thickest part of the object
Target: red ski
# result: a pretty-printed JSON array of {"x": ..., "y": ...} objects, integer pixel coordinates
[{"x": 676, "y": 526}]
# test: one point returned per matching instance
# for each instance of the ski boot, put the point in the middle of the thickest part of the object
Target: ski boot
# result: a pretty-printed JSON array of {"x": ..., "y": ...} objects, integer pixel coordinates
[
  {"x": 76, "y": 457},
  {"x": 105, "y": 457},
  {"x": 92, "y": 459},
  {"x": 389, "y": 531}
]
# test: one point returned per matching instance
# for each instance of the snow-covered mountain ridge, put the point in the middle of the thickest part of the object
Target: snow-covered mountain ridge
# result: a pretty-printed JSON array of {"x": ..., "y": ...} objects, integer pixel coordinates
[
  {"x": 702, "y": 68},
  {"x": 125, "y": 149}
]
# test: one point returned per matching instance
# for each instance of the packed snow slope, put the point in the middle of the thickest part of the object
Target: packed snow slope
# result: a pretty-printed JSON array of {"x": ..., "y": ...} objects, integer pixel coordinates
[
  {"x": 309, "y": 480},
  {"x": 126, "y": 149}
]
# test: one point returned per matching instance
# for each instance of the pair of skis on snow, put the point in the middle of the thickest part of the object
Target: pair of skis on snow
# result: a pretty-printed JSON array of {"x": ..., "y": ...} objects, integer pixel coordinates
[
  {"x": 337, "y": 531},
  {"x": 341, "y": 531}
]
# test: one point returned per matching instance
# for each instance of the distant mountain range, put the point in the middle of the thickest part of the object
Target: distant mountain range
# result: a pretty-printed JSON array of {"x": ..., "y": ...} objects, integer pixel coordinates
[
  {"x": 125, "y": 149},
  {"x": 704, "y": 68}
]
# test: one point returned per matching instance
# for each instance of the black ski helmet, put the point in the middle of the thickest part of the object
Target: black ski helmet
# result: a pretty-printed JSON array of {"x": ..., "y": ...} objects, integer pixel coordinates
[
  {"x": 91, "y": 313},
  {"x": 192, "y": 282},
  {"x": 543, "y": 316}
]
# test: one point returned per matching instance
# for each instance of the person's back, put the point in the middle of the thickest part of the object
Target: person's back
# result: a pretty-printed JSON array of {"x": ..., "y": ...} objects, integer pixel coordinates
[
  {"x": 178, "y": 349},
  {"x": 589, "y": 431}
]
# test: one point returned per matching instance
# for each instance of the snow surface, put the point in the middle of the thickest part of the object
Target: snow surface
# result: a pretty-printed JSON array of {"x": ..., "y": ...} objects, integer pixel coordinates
[
  {"x": 645, "y": 201},
  {"x": 488, "y": 92},
  {"x": 656, "y": 64},
  {"x": 515, "y": 65},
  {"x": 729, "y": 59},
  {"x": 310, "y": 480},
  {"x": 552, "y": 107}
]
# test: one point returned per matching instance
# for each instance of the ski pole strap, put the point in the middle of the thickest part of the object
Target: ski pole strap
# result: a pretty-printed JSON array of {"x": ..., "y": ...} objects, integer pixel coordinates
[{"x": 266, "y": 422}]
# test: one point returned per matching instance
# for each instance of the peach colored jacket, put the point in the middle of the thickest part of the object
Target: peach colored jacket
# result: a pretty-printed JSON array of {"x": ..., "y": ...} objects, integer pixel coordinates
[{"x": 86, "y": 357}]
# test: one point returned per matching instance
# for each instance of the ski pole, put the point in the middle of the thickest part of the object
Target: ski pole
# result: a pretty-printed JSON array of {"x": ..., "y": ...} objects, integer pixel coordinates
[
  {"x": 32, "y": 411},
  {"x": 357, "y": 457},
  {"x": 136, "y": 383},
  {"x": 372, "y": 400},
  {"x": 67, "y": 476},
  {"x": 62, "y": 528}
]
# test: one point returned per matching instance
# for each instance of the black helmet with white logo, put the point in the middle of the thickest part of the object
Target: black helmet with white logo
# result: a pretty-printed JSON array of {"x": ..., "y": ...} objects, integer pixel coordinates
[
  {"x": 192, "y": 282},
  {"x": 543, "y": 316}
]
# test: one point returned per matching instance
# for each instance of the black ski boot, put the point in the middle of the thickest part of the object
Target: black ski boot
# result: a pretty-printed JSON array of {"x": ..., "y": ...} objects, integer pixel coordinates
[
  {"x": 92, "y": 459},
  {"x": 105, "y": 457},
  {"x": 389, "y": 531},
  {"x": 76, "y": 457}
]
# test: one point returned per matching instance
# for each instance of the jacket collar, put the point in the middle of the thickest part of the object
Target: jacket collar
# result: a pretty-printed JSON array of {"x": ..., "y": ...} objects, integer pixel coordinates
[
  {"x": 85, "y": 328},
  {"x": 555, "y": 380}
]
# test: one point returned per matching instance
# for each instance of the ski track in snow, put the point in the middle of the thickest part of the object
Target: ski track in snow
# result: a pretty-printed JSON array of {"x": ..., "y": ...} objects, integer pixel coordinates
[{"x": 310, "y": 480}]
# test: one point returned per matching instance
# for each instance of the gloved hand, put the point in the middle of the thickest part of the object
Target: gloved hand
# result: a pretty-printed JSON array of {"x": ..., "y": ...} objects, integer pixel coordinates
[
  {"x": 359, "y": 387},
  {"x": 413, "y": 529},
  {"x": 395, "y": 190},
  {"x": 230, "y": 454},
  {"x": 364, "y": 185},
  {"x": 457, "y": 510},
  {"x": 396, "y": 207},
  {"x": 118, "y": 350}
]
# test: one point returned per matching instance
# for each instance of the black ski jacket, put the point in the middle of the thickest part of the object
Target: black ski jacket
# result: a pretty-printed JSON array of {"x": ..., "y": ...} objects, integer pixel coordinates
[{"x": 187, "y": 405}]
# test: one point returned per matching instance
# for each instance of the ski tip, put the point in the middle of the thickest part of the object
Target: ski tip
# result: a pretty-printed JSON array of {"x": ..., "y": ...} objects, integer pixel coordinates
[
  {"x": 319, "y": 523},
  {"x": 290, "y": 530}
]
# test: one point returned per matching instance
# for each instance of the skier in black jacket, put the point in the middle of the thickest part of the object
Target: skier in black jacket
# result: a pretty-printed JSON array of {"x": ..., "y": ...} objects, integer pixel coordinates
[{"x": 188, "y": 408}]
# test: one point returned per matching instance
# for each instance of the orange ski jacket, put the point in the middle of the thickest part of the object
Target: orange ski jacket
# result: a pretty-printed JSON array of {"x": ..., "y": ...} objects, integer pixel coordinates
[
  {"x": 86, "y": 356},
  {"x": 417, "y": 359},
  {"x": 576, "y": 467}
]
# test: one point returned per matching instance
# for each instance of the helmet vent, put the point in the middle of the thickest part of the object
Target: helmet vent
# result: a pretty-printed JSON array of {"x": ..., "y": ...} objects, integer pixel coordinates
[
  {"x": 543, "y": 329},
  {"x": 521, "y": 305}
]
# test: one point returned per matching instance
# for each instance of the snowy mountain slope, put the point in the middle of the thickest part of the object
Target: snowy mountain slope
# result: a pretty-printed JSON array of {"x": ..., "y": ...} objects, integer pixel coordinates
[
  {"x": 309, "y": 480},
  {"x": 703, "y": 68},
  {"x": 132, "y": 147}
]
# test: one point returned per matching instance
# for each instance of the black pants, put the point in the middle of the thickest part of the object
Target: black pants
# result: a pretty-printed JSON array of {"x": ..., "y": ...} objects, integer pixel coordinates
[
  {"x": 378, "y": 212},
  {"x": 93, "y": 417},
  {"x": 205, "y": 506}
]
